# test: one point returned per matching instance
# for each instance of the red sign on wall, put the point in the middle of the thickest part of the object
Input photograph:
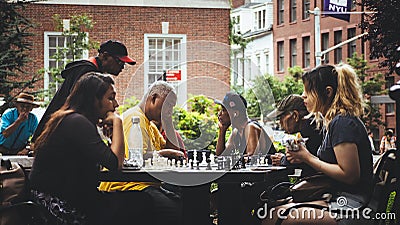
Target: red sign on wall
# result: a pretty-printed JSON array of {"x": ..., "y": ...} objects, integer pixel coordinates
[{"x": 173, "y": 75}]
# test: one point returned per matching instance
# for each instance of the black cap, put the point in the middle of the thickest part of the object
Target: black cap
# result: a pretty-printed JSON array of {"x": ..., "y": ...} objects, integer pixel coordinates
[
  {"x": 117, "y": 49},
  {"x": 233, "y": 101},
  {"x": 288, "y": 104}
]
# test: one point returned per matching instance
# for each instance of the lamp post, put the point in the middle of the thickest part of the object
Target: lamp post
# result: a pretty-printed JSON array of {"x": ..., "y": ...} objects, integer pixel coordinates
[{"x": 317, "y": 34}]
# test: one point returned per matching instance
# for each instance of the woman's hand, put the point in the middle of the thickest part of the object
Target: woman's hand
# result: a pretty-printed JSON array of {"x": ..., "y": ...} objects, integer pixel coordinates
[
  {"x": 302, "y": 155},
  {"x": 112, "y": 127},
  {"x": 276, "y": 158}
]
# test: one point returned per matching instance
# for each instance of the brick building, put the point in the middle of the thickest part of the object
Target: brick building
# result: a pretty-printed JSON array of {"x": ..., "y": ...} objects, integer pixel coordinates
[
  {"x": 188, "y": 36},
  {"x": 294, "y": 44}
]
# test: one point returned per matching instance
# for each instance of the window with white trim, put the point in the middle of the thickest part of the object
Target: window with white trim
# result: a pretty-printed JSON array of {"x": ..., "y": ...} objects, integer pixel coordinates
[
  {"x": 164, "y": 54},
  {"x": 259, "y": 19},
  {"x": 236, "y": 24},
  {"x": 55, "y": 56}
]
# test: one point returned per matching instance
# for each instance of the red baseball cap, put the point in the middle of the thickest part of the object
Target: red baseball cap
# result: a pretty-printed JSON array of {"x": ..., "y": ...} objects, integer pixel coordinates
[{"x": 117, "y": 49}]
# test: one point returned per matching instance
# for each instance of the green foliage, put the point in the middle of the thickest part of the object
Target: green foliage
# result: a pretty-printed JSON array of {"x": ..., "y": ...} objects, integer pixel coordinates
[
  {"x": 383, "y": 31},
  {"x": 14, "y": 47},
  {"x": 128, "y": 103},
  {"x": 268, "y": 90},
  {"x": 235, "y": 38},
  {"x": 296, "y": 72},
  {"x": 77, "y": 42},
  {"x": 198, "y": 125},
  {"x": 371, "y": 85}
]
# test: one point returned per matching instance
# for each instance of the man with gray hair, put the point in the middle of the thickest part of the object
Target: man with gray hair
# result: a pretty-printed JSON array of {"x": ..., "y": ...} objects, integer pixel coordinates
[{"x": 156, "y": 105}]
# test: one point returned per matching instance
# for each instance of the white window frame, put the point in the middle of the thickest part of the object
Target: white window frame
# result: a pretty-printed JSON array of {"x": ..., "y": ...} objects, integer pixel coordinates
[
  {"x": 47, "y": 34},
  {"x": 180, "y": 86},
  {"x": 260, "y": 19}
]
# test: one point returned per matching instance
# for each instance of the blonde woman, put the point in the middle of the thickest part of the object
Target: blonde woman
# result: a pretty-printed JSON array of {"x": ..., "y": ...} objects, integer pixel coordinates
[{"x": 333, "y": 93}]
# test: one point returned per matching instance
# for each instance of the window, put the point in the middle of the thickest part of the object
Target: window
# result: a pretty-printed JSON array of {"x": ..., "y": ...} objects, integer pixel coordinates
[
  {"x": 259, "y": 18},
  {"x": 281, "y": 11},
  {"x": 266, "y": 62},
  {"x": 236, "y": 24},
  {"x": 281, "y": 56},
  {"x": 56, "y": 56},
  {"x": 306, "y": 7},
  {"x": 293, "y": 52},
  {"x": 325, "y": 46},
  {"x": 351, "y": 47},
  {"x": 258, "y": 61},
  {"x": 389, "y": 108},
  {"x": 293, "y": 8},
  {"x": 164, "y": 53},
  {"x": 306, "y": 52},
  {"x": 338, "y": 51}
]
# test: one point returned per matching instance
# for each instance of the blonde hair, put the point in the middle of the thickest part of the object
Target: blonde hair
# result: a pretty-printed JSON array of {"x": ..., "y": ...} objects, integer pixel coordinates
[{"x": 347, "y": 93}]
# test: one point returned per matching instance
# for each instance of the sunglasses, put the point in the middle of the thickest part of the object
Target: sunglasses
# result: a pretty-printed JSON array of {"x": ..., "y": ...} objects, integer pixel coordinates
[{"x": 121, "y": 63}]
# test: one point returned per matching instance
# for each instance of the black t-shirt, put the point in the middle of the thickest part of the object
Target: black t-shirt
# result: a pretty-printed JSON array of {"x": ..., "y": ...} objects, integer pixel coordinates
[
  {"x": 67, "y": 166},
  {"x": 310, "y": 131},
  {"x": 349, "y": 129},
  {"x": 72, "y": 72}
]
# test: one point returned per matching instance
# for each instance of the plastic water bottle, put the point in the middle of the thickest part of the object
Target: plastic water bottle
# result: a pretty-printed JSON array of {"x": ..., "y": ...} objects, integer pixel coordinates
[{"x": 135, "y": 144}]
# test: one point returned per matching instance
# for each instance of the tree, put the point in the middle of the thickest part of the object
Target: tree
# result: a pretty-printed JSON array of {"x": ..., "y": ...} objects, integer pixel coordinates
[
  {"x": 371, "y": 85},
  {"x": 76, "y": 44},
  {"x": 14, "y": 47},
  {"x": 383, "y": 31},
  {"x": 268, "y": 90},
  {"x": 198, "y": 125}
]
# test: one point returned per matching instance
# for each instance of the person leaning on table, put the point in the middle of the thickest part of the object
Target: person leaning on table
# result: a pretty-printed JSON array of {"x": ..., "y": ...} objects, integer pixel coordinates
[
  {"x": 156, "y": 105},
  {"x": 248, "y": 136},
  {"x": 17, "y": 126},
  {"x": 292, "y": 113},
  {"x": 64, "y": 175},
  {"x": 111, "y": 59},
  {"x": 334, "y": 93}
]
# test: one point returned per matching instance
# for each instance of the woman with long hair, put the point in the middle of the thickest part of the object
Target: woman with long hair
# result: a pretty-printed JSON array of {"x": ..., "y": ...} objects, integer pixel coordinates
[
  {"x": 334, "y": 95},
  {"x": 69, "y": 153}
]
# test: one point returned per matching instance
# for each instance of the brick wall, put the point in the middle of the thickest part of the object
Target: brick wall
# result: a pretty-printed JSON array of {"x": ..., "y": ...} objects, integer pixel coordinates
[
  {"x": 129, "y": 24},
  {"x": 300, "y": 28}
]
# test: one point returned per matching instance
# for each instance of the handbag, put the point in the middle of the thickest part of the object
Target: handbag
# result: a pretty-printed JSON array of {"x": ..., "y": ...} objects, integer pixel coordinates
[
  {"x": 12, "y": 190},
  {"x": 312, "y": 188}
]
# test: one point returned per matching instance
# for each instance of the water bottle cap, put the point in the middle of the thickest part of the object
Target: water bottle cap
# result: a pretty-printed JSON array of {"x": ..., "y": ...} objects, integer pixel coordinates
[{"x": 135, "y": 119}]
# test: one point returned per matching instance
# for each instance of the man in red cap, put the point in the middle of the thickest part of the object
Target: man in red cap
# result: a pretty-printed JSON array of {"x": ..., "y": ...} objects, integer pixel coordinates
[{"x": 111, "y": 59}]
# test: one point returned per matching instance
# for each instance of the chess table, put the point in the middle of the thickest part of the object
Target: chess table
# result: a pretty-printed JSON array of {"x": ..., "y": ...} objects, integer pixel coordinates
[{"x": 195, "y": 187}]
